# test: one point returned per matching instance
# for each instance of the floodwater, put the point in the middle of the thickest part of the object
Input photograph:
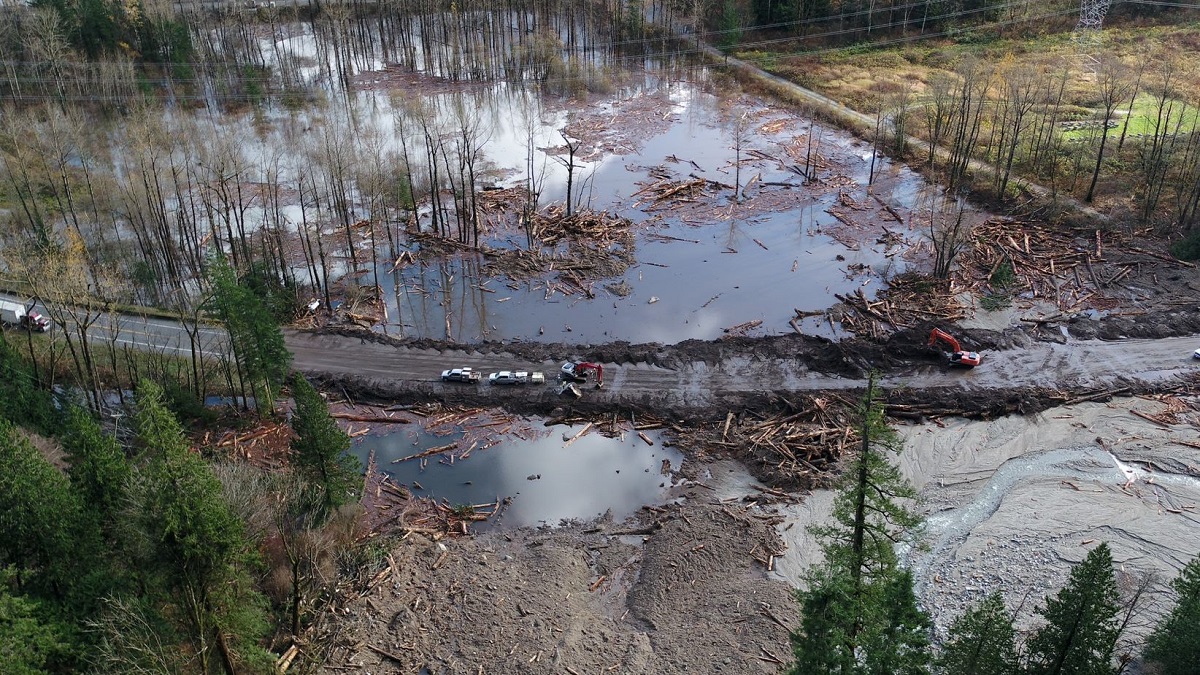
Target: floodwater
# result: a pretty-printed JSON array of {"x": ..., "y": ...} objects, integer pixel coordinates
[
  {"x": 545, "y": 482},
  {"x": 759, "y": 260},
  {"x": 698, "y": 279}
]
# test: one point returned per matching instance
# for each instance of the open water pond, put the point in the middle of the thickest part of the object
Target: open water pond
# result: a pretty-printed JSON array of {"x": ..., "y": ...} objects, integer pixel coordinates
[{"x": 547, "y": 479}]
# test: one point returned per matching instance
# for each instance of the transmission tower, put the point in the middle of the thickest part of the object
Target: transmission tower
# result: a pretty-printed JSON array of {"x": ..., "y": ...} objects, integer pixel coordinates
[
  {"x": 1091, "y": 15},
  {"x": 1087, "y": 31}
]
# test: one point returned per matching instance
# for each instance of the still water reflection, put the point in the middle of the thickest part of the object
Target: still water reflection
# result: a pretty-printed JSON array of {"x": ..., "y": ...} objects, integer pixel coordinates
[{"x": 546, "y": 482}]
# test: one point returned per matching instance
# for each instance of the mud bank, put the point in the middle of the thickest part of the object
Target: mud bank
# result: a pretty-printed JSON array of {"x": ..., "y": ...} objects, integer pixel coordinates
[
  {"x": 1012, "y": 503},
  {"x": 676, "y": 590}
]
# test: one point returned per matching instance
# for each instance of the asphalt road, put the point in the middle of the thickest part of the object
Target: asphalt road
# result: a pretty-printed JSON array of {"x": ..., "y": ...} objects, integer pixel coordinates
[{"x": 147, "y": 333}]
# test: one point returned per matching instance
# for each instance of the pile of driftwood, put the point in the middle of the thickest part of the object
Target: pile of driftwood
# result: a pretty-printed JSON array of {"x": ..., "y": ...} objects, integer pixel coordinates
[
  {"x": 613, "y": 426},
  {"x": 740, "y": 330},
  {"x": 394, "y": 509},
  {"x": 666, "y": 192},
  {"x": 577, "y": 269},
  {"x": 599, "y": 245},
  {"x": 266, "y": 445},
  {"x": 599, "y": 229},
  {"x": 491, "y": 203},
  {"x": 1175, "y": 411},
  {"x": 1053, "y": 266},
  {"x": 797, "y": 450},
  {"x": 909, "y": 300},
  {"x": 477, "y": 429}
]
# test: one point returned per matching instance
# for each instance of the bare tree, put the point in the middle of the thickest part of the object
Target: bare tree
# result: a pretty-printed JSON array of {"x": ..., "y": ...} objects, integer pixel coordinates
[
  {"x": 740, "y": 130},
  {"x": 1112, "y": 86},
  {"x": 1022, "y": 92},
  {"x": 949, "y": 232},
  {"x": 570, "y": 164}
]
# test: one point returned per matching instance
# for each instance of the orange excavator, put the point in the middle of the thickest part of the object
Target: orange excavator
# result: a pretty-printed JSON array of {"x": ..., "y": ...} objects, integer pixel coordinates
[
  {"x": 958, "y": 356},
  {"x": 577, "y": 371}
]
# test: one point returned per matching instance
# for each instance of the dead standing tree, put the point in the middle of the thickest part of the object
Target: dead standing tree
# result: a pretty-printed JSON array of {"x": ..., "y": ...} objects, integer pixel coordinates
[
  {"x": 740, "y": 131},
  {"x": 976, "y": 80},
  {"x": 1113, "y": 88},
  {"x": 1024, "y": 88},
  {"x": 534, "y": 176},
  {"x": 570, "y": 165},
  {"x": 949, "y": 232},
  {"x": 1165, "y": 127}
]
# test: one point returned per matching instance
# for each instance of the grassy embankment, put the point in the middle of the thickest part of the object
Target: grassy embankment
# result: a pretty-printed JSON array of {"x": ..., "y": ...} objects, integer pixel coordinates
[{"x": 866, "y": 78}]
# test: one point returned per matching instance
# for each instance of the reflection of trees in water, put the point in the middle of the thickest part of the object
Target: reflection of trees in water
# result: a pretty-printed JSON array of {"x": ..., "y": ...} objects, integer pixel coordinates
[
  {"x": 298, "y": 198},
  {"x": 443, "y": 297},
  {"x": 565, "y": 47}
]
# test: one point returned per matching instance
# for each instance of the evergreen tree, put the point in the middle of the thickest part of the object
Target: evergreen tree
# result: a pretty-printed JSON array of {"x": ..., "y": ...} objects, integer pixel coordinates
[
  {"x": 98, "y": 469},
  {"x": 197, "y": 553},
  {"x": 896, "y": 639},
  {"x": 982, "y": 641},
  {"x": 37, "y": 513},
  {"x": 1081, "y": 628},
  {"x": 729, "y": 25},
  {"x": 320, "y": 448},
  {"x": 859, "y": 611},
  {"x": 824, "y": 642},
  {"x": 22, "y": 401},
  {"x": 258, "y": 345},
  {"x": 27, "y": 643},
  {"x": 1175, "y": 643}
]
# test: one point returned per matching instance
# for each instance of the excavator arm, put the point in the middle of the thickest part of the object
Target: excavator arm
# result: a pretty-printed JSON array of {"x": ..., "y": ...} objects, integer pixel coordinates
[
  {"x": 938, "y": 335},
  {"x": 579, "y": 371},
  {"x": 958, "y": 356},
  {"x": 583, "y": 368}
]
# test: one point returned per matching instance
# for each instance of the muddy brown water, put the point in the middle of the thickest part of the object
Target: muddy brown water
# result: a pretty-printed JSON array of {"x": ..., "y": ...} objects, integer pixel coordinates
[{"x": 542, "y": 481}]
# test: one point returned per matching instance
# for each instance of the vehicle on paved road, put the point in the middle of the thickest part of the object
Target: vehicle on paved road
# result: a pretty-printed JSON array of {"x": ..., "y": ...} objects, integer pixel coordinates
[
  {"x": 461, "y": 375},
  {"x": 17, "y": 314},
  {"x": 1196, "y": 354}
]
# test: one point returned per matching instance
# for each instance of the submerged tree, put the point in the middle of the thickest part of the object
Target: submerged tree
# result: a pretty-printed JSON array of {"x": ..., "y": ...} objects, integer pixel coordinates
[{"x": 859, "y": 611}]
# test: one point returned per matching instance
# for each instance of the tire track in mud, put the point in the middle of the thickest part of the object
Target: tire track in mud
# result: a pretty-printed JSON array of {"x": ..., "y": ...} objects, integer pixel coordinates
[{"x": 698, "y": 380}]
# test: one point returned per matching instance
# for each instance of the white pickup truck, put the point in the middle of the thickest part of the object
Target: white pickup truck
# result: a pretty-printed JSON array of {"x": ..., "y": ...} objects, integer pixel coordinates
[
  {"x": 461, "y": 375},
  {"x": 517, "y": 377}
]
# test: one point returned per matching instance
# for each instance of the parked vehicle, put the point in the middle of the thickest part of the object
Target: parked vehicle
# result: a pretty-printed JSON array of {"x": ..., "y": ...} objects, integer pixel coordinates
[
  {"x": 508, "y": 377},
  {"x": 1196, "y": 354},
  {"x": 16, "y": 314},
  {"x": 461, "y": 375}
]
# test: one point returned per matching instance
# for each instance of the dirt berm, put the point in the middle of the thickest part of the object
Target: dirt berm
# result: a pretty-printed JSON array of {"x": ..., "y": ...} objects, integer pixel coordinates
[{"x": 1023, "y": 370}]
